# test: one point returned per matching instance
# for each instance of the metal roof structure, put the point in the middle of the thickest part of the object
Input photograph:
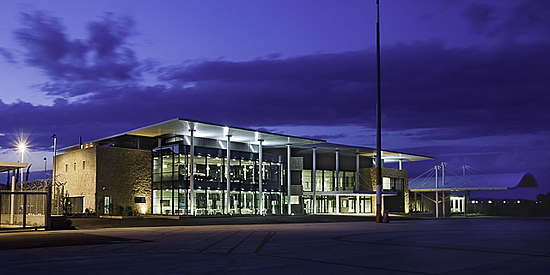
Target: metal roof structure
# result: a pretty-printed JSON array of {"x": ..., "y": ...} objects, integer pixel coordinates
[
  {"x": 9, "y": 166},
  {"x": 388, "y": 156},
  {"x": 467, "y": 183},
  {"x": 181, "y": 127}
]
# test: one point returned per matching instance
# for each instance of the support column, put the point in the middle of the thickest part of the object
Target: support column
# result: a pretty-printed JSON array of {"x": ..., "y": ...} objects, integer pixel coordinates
[
  {"x": 289, "y": 176},
  {"x": 337, "y": 204},
  {"x": 436, "y": 194},
  {"x": 314, "y": 180},
  {"x": 401, "y": 164},
  {"x": 464, "y": 203},
  {"x": 261, "y": 200},
  {"x": 228, "y": 175},
  {"x": 192, "y": 170},
  {"x": 357, "y": 209},
  {"x": 337, "y": 180},
  {"x": 357, "y": 157},
  {"x": 443, "y": 199},
  {"x": 12, "y": 196}
]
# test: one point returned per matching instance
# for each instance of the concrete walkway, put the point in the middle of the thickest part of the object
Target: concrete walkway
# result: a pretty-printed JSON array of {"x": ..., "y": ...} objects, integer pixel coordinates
[{"x": 429, "y": 246}]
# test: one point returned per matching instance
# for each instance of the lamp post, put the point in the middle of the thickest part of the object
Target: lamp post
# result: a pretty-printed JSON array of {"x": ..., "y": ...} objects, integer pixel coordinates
[
  {"x": 21, "y": 147},
  {"x": 378, "y": 122},
  {"x": 45, "y": 167},
  {"x": 54, "y": 170}
]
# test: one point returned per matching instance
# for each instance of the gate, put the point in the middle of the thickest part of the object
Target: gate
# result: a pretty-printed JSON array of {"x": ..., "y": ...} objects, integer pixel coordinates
[{"x": 25, "y": 209}]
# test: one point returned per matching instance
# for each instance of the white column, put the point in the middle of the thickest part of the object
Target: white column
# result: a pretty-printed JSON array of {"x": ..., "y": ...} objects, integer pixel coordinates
[
  {"x": 261, "y": 201},
  {"x": 400, "y": 164},
  {"x": 12, "y": 196},
  {"x": 192, "y": 170},
  {"x": 337, "y": 204},
  {"x": 289, "y": 176},
  {"x": 337, "y": 169},
  {"x": 314, "y": 180},
  {"x": 228, "y": 175},
  {"x": 464, "y": 203},
  {"x": 357, "y": 157}
]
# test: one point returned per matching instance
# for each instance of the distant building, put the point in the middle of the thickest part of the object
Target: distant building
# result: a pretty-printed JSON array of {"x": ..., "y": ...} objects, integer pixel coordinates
[
  {"x": 492, "y": 194},
  {"x": 185, "y": 167}
]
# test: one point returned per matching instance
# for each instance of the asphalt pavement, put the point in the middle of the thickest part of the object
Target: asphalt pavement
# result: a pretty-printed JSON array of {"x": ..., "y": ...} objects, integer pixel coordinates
[{"x": 245, "y": 245}]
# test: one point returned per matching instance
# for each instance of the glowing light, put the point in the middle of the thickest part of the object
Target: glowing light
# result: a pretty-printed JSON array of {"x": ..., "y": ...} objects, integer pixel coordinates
[{"x": 143, "y": 209}]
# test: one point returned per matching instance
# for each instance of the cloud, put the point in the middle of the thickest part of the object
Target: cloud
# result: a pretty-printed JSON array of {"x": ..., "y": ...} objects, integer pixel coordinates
[
  {"x": 104, "y": 56},
  {"x": 479, "y": 16},
  {"x": 7, "y": 55},
  {"x": 456, "y": 93},
  {"x": 526, "y": 22},
  {"x": 445, "y": 98}
]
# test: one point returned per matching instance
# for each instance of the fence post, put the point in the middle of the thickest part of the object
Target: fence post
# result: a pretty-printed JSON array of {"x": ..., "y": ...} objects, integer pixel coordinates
[
  {"x": 49, "y": 208},
  {"x": 24, "y": 210}
]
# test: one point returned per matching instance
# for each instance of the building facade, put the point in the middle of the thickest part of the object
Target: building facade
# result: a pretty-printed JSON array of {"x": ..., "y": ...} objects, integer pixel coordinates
[{"x": 184, "y": 167}]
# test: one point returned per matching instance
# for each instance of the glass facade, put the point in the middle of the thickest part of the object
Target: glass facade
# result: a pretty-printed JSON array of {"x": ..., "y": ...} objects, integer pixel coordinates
[
  {"x": 325, "y": 180},
  {"x": 171, "y": 181},
  {"x": 334, "y": 203}
]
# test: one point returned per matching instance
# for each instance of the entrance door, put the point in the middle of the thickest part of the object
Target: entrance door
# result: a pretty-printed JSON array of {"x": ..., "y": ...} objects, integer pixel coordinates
[{"x": 107, "y": 205}]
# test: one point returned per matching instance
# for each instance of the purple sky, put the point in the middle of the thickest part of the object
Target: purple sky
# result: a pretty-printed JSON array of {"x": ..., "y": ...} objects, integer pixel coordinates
[{"x": 466, "y": 82}]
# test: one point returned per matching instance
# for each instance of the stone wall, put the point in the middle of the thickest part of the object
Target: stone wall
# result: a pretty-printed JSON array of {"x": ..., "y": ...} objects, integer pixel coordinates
[
  {"x": 124, "y": 174},
  {"x": 78, "y": 169},
  {"x": 367, "y": 182}
]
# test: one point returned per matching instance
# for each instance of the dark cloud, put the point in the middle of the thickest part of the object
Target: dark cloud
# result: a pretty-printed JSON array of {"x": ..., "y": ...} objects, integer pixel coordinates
[
  {"x": 447, "y": 95},
  {"x": 104, "y": 56},
  {"x": 479, "y": 16},
  {"x": 526, "y": 22},
  {"x": 7, "y": 55},
  {"x": 456, "y": 93}
]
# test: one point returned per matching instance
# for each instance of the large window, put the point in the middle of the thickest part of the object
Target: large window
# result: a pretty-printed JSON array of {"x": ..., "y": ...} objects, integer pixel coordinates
[
  {"x": 393, "y": 184},
  {"x": 171, "y": 179},
  {"x": 325, "y": 180}
]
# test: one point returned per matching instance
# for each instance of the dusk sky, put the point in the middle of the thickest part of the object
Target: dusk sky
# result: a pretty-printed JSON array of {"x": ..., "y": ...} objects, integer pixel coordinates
[{"x": 466, "y": 82}]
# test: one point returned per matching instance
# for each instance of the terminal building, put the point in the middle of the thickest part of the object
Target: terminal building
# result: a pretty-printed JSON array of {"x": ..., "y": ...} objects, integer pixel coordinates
[{"x": 187, "y": 167}]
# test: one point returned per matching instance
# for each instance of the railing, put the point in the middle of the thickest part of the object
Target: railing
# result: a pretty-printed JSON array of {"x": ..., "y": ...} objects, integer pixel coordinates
[{"x": 25, "y": 209}]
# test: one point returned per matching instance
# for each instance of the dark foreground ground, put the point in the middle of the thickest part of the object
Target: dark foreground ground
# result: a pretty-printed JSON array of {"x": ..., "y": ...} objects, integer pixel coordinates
[{"x": 282, "y": 245}]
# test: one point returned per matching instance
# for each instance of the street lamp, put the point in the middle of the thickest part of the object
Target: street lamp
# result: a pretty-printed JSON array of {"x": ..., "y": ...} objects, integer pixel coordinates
[
  {"x": 45, "y": 167},
  {"x": 22, "y": 147},
  {"x": 54, "y": 170}
]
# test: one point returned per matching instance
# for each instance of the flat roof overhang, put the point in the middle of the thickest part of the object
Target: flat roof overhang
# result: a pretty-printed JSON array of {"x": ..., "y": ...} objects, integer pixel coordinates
[
  {"x": 179, "y": 126},
  {"x": 457, "y": 189},
  {"x": 9, "y": 166},
  {"x": 349, "y": 192},
  {"x": 349, "y": 150}
]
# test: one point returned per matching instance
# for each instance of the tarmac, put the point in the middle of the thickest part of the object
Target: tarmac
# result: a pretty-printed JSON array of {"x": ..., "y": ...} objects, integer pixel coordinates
[{"x": 282, "y": 245}]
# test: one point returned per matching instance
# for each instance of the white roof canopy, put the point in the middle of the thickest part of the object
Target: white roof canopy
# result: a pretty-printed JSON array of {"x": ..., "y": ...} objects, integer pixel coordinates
[{"x": 8, "y": 166}]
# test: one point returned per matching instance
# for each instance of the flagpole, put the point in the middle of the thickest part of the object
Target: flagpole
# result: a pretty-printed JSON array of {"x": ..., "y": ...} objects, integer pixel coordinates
[{"x": 378, "y": 122}]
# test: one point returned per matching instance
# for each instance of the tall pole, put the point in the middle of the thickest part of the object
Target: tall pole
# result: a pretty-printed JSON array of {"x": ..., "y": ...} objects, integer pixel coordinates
[
  {"x": 45, "y": 167},
  {"x": 191, "y": 205},
  {"x": 54, "y": 170},
  {"x": 261, "y": 174},
  {"x": 378, "y": 122},
  {"x": 289, "y": 177},
  {"x": 436, "y": 194},
  {"x": 22, "y": 172},
  {"x": 314, "y": 180},
  {"x": 443, "y": 164},
  {"x": 228, "y": 174}
]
